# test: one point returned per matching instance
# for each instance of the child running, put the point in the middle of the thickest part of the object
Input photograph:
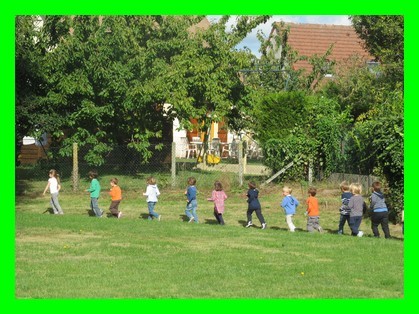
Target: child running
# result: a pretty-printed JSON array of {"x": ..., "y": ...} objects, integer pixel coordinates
[
  {"x": 54, "y": 187},
  {"x": 356, "y": 205},
  {"x": 218, "y": 197},
  {"x": 379, "y": 213},
  {"x": 289, "y": 204},
  {"x": 116, "y": 197},
  {"x": 152, "y": 192},
  {"x": 191, "y": 202},
  {"x": 254, "y": 206},
  {"x": 344, "y": 209},
  {"x": 94, "y": 191},
  {"x": 313, "y": 211}
]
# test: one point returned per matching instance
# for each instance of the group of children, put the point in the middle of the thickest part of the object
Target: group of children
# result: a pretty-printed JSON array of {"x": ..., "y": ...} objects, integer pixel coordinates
[{"x": 351, "y": 211}]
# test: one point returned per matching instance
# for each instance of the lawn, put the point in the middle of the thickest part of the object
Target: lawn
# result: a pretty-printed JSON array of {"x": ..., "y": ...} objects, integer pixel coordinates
[{"x": 79, "y": 256}]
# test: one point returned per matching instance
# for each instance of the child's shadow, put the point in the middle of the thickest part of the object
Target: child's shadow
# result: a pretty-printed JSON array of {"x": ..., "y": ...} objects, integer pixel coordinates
[
  {"x": 90, "y": 212},
  {"x": 184, "y": 217},
  {"x": 49, "y": 210},
  {"x": 278, "y": 228},
  {"x": 144, "y": 216},
  {"x": 211, "y": 221}
]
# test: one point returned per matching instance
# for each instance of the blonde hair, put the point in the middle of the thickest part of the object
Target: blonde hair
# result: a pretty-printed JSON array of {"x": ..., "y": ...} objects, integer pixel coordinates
[
  {"x": 356, "y": 188},
  {"x": 287, "y": 189}
]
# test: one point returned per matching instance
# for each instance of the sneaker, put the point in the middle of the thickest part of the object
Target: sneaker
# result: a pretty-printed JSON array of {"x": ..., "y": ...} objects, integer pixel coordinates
[
  {"x": 264, "y": 226},
  {"x": 191, "y": 219},
  {"x": 119, "y": 214},
  {"x": 360, "y": 234},
  {"x": 340, "y": 231},
  {"x": 320, "y": 229},
  {"x": 159, "y": 218},
  {"x": 249, "y": 224}
]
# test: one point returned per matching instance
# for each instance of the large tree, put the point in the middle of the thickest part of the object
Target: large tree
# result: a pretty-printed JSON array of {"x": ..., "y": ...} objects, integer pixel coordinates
[{"x": 105, "y": 80}]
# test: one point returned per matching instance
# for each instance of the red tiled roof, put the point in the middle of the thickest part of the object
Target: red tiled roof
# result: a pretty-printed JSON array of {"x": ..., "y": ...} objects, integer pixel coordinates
[{"x": 310, "y": 39}]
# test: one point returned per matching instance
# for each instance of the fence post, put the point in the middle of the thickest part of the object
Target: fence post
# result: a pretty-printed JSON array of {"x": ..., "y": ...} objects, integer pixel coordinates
[
  {"x": 240, "y": 163},
  {"x": 310, "y": 171},
  {"x": 173, "y": 164},
  {"x": 75, "y": 174}
]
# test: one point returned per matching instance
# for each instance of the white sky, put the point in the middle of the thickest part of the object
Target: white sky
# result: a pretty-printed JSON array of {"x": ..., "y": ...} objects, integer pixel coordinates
[{"x": 252, "y": 42}]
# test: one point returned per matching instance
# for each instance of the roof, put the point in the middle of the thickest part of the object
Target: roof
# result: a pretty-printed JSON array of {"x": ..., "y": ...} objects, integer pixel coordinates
[{"x": 310, "y": 39}]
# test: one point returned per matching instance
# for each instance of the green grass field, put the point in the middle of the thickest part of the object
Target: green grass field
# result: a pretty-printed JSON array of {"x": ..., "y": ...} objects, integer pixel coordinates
[{"x": 78, "y": 256}]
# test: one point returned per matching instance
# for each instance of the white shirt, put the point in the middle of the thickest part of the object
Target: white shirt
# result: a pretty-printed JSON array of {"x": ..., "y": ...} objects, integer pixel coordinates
[
  {"x": 152, "y": 192},
  {"x": 53, "y": 185}
]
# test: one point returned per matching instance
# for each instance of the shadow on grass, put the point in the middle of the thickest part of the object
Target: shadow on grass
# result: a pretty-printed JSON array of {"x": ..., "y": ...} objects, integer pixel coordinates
[
  {"x": 211, "y": 221},
  {"x": 49, "y": 210}
]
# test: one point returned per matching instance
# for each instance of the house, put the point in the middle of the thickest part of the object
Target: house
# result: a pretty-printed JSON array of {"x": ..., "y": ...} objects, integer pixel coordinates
[{"x": 315, "y": 39}]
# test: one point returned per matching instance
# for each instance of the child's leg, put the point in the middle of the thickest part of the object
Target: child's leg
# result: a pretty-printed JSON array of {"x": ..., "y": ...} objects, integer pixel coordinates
[
  {"x": 216, "y": 215},
  {"x": 194, "y": 204},
  {"x": 95, "y": 207},
  {"x": 375, "y": 221},
  {"x": 113, "y": 208},
  {"x": 355, "y": 222},
  {"x": 260, "y": 216},
  {"x": 55, "y": 204},
  {"x": 342, "y": 220},
  {"x": 384, "y": 225},
  {"x": 291, "y": 226},
  {"x": 151, "y": 212},
  {"x": 220, "y": 219},
  {"x": 249, "y": 215},
  {"x": 310, "y": 224}
]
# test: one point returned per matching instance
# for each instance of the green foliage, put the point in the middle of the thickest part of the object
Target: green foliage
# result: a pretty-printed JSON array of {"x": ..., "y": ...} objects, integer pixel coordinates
[
  {"x": 308, "y": 130},
  {"x": 103, "y": 81},
  {"x": 384, "y": 39},
  {"x": 377, "y": 145}
]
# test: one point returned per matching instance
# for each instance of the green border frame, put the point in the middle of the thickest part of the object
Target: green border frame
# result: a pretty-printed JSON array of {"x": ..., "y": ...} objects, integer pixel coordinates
[{"x": 8, "y": 10}]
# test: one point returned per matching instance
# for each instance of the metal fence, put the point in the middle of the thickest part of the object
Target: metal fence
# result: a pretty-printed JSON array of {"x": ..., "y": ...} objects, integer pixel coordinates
[{"x": 172, "y": 163}]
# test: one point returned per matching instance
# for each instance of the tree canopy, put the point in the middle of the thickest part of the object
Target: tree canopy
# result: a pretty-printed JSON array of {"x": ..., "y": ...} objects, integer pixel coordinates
[{"x": 103, "y": 81}]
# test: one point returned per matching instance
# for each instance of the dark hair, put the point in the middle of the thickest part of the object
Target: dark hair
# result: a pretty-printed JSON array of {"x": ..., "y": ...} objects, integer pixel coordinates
[
  {"x": 252, "y": 185},
  {"x": 114, "y": 181},
  {"x": 191, "y": 181},
  {"x": 218, "y": 186},
  {"x": 376, "y": 186},
  {"x": 93, "y": 174},
  {"x": 312, "y": 191}
]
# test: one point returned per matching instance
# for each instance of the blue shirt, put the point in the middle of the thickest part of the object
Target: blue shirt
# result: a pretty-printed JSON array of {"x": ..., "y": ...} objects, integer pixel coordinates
[
  {"x": 191, "y": 193},
  {"x": 289, "y": 203}
]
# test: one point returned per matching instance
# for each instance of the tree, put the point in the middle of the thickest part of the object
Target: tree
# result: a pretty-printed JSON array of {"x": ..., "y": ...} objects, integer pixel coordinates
[
  {"x": 106, "y": 79},
  {"x": 205, "y": 79},
  {"x": 31, "y": 84},
  {"x": 309, "y": 131},
  {"x": 384, "y": 38}
]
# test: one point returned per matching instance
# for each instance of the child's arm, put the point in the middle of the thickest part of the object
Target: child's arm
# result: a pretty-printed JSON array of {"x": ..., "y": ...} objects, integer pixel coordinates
[
  {"x": 46, "y": 188},
  {"x": 212, "y": 198}
]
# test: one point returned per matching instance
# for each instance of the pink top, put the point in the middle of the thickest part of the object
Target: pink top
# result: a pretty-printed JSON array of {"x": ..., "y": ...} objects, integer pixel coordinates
[{"x": 218, "y": 198}]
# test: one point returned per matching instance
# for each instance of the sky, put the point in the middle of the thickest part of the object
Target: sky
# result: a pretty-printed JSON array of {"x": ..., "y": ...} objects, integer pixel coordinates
[{"x": 252, "y": 42}]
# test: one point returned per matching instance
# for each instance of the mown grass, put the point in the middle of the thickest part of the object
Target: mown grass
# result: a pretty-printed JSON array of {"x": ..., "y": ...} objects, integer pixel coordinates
[{"x": 78, "y": 256}]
